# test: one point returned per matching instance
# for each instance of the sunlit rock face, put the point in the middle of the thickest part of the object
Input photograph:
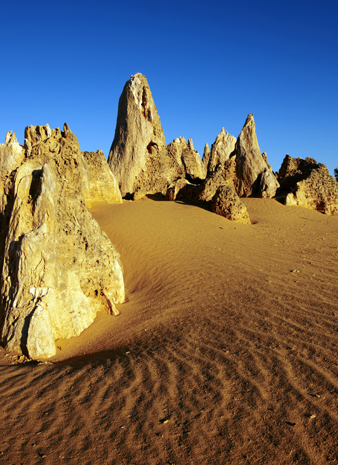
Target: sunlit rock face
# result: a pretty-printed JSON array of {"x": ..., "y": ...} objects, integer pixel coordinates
[
  {"x": 139, "y": 157},
  {"x": 99, "y": 183},
  {"x": 58, "y": 267},
  {"x": 221, "y": 150},
  {"x": 226, "y": 203},
  {"x": 251, "y": 166},
  {"x": 309, "y": 184}
]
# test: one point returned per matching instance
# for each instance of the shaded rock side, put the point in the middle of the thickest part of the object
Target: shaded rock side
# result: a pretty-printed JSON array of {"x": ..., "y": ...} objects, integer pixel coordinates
[
  {"x": 221, "y": 150},
  {"x": 309, "y": 184},
  {"x": 59, "y": 268},
  {"x": 226, "y": 203},
  {"x": 138, "y": 156},
  {"x": 99, "y": 183},
  {"x": 11, "y": 157},
  {"x": 187, "y": 158},
  {"x": 251, "y": 165}
]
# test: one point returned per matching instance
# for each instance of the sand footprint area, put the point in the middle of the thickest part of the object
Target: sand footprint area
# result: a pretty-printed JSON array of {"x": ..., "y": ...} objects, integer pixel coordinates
[{"x": 225, "y": 351}]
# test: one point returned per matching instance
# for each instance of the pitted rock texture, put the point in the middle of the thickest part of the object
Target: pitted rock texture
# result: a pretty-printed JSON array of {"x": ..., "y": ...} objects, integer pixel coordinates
[
  {"x": 226, "y": 203},
  {"x": 251, "y": 165},
  {"x": 99, "y": 183},
  {"x": 221, "y": 150},
  {"x": 309, "y": 184},
  {"x": 59, "y": 268}
]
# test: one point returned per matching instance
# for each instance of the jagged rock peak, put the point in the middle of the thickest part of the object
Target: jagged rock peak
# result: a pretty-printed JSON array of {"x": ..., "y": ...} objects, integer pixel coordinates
[
  {"x": 221, "y": 149},
  {"x": 136, "y": 152},
  {"x": 251, "y": 165}
]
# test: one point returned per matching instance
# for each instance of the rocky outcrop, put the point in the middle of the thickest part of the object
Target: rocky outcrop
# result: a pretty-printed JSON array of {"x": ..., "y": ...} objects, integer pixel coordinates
[
  {"x": 309, "y": 184},
  {"x": 251, "y": 166},
  {"x": 99, "y": 183},
  {"x": 226, "y": 203},
  {"x": 138, "y": 156},
  {"x": 221, "y": 150},
  {"x": 187, "y": 159},
  {"x": 59, "y": 268},
  {"x": 206, "y": 157}
]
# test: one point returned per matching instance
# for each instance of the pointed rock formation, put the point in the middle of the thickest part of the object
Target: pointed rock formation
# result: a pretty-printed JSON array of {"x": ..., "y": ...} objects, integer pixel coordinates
[
  {"x": 99, "y": 183},
  {"x": 59, "y": 268},
  {"x": 138, "y": 157},
  {"x": 309, "y": 184},
  {"x": 251, "y": 165},
  {"x": 206, "y": 157},
  {"x": 187, "y": 159},
  {"x": 221, "y": 150}
]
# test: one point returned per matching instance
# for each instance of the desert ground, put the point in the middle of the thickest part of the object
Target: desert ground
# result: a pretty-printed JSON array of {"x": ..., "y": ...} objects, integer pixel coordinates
[{"x": 225, "y": 351}]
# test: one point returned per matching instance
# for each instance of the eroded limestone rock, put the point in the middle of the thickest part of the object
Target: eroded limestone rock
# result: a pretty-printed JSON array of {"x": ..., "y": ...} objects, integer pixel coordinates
[
  {"x": 99, "y": 183},
  {"x": 187, "y": 159},
  {"x": 251, "y": 165},
  {"x": 221, "y": 150},
  {"x": 227, "y": 203},
  {"x": 138, "y": 157},
  {"x": 309, "y": 183},
  {"x": 59, "y": 268}
]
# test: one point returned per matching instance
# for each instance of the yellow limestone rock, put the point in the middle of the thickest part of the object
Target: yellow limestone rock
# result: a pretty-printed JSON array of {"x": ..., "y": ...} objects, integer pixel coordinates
[
  {"x": 99, "y": 183},
  {"x": 226, "y": 203},
  {"x": 251, "y": 166},
  {"x": 221, "y": 149},
  {"x": 59, "y": 268},
  {"x": 309, "y": 184},
  {"x": 139, "y": 157},
  {"x": 187, "y": 158}
]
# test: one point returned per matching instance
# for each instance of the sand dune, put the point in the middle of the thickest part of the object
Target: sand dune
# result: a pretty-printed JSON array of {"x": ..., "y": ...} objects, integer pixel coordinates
[{"x": 224, "y": 353}]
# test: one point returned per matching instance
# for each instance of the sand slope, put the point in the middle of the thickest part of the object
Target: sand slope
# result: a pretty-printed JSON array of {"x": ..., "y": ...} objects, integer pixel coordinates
[{"x": 224, "y": 353}]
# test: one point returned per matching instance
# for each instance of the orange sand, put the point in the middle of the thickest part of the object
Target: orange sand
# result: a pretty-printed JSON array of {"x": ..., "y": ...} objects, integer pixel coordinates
[{"x": 224, "y": 353}]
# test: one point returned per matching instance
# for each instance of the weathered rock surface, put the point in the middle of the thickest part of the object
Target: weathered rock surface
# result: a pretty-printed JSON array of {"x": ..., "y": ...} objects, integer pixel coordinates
[
  {"x": 309, "y": 184},
  {"x": 251, "y": 165},
  {"x": 59, "y": 268},
  {"x": 221, "y": 150},
  {"x": 138, "y": 156},
  {"x": 226, "y": 203},
  {"x": 187, "y": 158},
  {"x": 206, "y": 157},
  {"x": 99, "y": 183}
]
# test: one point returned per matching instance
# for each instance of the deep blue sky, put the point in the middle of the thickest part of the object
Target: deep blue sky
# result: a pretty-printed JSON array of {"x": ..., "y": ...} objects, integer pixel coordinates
[{"x": 207, "y": 65}]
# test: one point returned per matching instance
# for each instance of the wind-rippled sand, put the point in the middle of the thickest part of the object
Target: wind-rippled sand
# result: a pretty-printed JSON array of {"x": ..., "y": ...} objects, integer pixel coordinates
[{"x": 224, "y": 353}]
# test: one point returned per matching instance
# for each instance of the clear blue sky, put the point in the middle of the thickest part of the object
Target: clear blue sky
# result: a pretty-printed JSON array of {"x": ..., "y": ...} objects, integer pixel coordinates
[{"x": 208, "y": 65}]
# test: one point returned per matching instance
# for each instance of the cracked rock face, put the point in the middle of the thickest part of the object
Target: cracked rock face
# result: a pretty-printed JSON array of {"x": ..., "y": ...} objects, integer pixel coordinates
[
  {"x": 58, "y": 268},
  {"x": 187, "y": 158},
  {"x": 309, "y": 184}
]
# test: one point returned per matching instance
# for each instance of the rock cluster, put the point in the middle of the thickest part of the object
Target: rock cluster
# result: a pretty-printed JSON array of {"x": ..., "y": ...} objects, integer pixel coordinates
[
  {"x": 308, "y": 184},
  {"x": 139, "y": 158},
  {"x": 58, "y": 267}
]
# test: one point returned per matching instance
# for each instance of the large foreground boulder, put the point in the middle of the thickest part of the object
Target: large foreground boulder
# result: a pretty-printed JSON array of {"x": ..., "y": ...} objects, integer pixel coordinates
[
  {"x": 59, "y": 268},
  {"x": 309, "y": 184},
  {"x": 226, "y": 203}
]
